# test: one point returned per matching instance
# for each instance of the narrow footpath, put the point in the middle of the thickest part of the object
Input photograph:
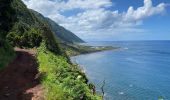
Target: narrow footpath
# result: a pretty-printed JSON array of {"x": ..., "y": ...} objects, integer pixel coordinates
[{"x": 19, "y": 80}]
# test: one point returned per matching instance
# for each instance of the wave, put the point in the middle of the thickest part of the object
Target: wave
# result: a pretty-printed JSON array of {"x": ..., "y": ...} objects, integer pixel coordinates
[
  {"x": 126, "y": 48},
  {"x": 133, "y": 60},
  {"x": 121, "y": 93},
  {"x": 131, "y": 85}
]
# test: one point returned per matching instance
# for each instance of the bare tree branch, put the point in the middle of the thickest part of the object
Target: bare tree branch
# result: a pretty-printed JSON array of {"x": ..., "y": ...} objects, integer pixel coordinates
[{"x": 102, "y": 88}]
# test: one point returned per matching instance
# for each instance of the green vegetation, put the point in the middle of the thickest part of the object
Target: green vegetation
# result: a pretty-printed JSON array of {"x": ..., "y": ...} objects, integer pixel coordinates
[
  {"x": 21, "y": 27},
  {"x": 62, "y": 80},
  {"x": 26, "y": 30},
  {"x": 6, "y": 54},
  {"x": 29, "y": 31},
  {"x": 31, "y": 38},
  {"x": 76, "y": 49},
  {"x": 62, "y": 34},
  {"x": 7, "y": 18}
]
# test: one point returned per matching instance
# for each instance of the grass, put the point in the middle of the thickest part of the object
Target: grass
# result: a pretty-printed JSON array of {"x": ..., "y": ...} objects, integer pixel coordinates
[
  {"x": 6, "y": 54},
  {"x": 62, "y": 80}
]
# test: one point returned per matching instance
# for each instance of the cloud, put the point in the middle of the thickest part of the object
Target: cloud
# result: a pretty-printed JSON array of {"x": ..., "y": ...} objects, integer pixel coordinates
[
  {"x": 145, "y": 11},
  {"x": 95, "y": 20},
  {"x": 44, "y": 6}
]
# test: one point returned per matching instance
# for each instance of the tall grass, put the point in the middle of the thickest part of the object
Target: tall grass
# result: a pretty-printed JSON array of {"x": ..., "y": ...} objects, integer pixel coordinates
[
  {"x": 6, "y": 54},
  {"x": 62, "y": 80}
]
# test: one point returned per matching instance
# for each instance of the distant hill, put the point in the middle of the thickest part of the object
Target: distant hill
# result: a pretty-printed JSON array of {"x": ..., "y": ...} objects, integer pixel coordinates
[{"x": 63, "y": 34}]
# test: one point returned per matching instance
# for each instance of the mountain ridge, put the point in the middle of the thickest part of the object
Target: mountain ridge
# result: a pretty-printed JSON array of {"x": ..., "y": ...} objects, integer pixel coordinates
[{"x": 63, "y": 34}]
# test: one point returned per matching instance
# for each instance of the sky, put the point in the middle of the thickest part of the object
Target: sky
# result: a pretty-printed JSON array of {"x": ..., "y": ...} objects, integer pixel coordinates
[{"x": 109, "y": 20}]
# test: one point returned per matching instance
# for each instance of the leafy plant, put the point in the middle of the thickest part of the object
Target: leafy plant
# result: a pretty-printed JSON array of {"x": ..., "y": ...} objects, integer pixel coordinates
[
  {"x": 62, "y": 80},
  {"x": 6, "y": 53},
  {"x": 7, "y": 18}
]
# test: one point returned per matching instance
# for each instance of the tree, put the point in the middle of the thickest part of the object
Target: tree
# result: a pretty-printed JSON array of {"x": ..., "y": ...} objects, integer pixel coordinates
[{"x": 7, "y": 17}]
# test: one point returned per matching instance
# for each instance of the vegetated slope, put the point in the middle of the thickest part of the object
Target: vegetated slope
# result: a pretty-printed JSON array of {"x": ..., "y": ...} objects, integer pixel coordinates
[
  {"x": 61, "y": 79},
  {"x": 63, "y": 34},
  {"x": 7, "y": 18},
  {"x": 26, "y": 26},
  {"x": 28, "y": 31}
]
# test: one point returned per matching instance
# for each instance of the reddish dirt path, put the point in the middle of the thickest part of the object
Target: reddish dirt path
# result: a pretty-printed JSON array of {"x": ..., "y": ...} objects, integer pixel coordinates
[{"x": 17, "y": 80}]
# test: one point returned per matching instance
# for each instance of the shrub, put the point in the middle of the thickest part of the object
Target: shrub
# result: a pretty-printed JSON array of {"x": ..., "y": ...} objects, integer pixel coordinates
[
  {"x": 62, "y": 80},
  {"x": 6, "y": 53},
  {"x": 30, "y": 38}
]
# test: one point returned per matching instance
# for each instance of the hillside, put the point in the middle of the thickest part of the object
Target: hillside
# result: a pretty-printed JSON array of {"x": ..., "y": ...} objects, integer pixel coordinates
[
  {"x": 60, "y": 79},
  {"x": 6, "y": 22},
  {"x": 63, "y": 34},
  {"x": 28, "y": 31}
]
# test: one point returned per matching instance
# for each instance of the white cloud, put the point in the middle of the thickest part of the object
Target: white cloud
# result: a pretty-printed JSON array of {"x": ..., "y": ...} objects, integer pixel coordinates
[
  {"x": 87, "y": 4},
  {"x": 145, "y": 11},
  {"x": 95, "y": 20},
  {"x": 44, "y": 6}
]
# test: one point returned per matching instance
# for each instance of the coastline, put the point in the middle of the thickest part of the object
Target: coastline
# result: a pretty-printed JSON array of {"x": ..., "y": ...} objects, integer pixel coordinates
[
  {"x": 95, "y": 51},
  {"x": 133, "y": 61},
  {"x": 98, "y": 49},
  {"x": 78, "y": 49}
]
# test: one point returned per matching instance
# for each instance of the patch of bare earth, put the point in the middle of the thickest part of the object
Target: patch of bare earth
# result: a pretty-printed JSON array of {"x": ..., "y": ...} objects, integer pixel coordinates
[{"x": 18, "y": 81}]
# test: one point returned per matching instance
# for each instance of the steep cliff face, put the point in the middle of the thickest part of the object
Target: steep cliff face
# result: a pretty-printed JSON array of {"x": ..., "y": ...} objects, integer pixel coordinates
[
  {"x": 62, "y": 34},
  {"x": 31, "y": 28},
  {"x": 29, "y": 31}
]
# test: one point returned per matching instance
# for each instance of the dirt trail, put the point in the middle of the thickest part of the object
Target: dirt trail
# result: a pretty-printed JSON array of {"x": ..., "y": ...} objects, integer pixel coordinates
[{"x": 18, "y": 80}]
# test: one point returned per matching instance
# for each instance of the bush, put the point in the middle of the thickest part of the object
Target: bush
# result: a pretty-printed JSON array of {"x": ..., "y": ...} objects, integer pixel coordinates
[
  {"x": 30, "y": 38},
  {"x": 6, "y": 53},
  {"x": 62, "y": 81}
]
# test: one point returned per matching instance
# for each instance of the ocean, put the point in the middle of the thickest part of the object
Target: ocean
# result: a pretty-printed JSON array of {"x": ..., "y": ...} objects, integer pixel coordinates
[{"x": 139, "y": 70}]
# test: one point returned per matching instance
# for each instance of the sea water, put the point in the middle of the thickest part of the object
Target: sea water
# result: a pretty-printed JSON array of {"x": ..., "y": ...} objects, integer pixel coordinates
[{"x": 138, "y": 70}]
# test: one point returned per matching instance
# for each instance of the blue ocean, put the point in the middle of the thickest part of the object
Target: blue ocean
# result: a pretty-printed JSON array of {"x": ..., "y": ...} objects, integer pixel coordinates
[{"x": 139, "y": 70}]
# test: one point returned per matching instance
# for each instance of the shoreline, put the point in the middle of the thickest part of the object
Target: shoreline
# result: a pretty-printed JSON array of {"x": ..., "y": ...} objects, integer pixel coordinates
[
  {"x": 100, "y": 49},
  {"x": 84, "y": 53},
  {"x": 76, "y": 49},
  {"x": 94, "y": 49}
]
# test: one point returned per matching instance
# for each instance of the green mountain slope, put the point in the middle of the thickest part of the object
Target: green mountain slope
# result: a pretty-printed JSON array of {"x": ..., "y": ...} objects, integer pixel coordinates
[
  {"x": 28, "y": 31},
  {"x": 7, "y": 18},
  {"x": 19, "y": 27},
  {"x": 63, "y": 34}
]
